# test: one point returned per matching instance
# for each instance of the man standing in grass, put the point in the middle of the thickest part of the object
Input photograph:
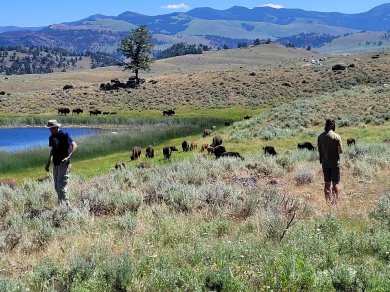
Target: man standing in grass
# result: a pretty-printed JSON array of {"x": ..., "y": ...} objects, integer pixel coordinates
[
  {"x": 330, "y": 148},
  {"x": 62, "y": 149}
]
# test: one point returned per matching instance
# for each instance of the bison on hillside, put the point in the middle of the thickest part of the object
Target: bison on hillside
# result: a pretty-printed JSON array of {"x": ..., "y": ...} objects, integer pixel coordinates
[
  {"x": 136, "y": 153},
  {"x": 167, "y": 151}
]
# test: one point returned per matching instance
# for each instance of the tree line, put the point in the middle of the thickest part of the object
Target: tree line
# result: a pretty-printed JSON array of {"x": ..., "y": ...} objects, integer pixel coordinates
[{"x": 17, "y": 60}]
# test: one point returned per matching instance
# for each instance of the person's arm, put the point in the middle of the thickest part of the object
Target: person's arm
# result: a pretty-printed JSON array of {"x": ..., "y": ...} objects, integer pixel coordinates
[
  {"x": 319, "y": 149},
  {"x": 74, "y": 147},
  {"x": 340, "y": 147},
  {"x": 49, "y": 160}
]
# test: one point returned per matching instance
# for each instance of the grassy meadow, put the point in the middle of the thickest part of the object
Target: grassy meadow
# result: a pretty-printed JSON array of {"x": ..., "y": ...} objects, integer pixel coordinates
[{"x": 195, "y": 223}]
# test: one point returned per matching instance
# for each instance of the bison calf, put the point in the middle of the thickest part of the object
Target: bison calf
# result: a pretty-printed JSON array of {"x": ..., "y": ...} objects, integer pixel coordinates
[
  {"x": 306, "y": 145},
  {"x": 351, "y": 141},
  {"x": 269, "y": 150}
]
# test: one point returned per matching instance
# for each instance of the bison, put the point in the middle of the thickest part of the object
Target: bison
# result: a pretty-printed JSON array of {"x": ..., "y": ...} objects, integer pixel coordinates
[
  {"x": 168, "y": 113},
  {"x": 149, "y": 152},
  {"x": 136, "y": 153},
  {"x": 95, "y": 112},
  {"x": 204, "y": 147},
  {"x": 207, "y": 132},
  {"x": 120, "y": 165},
  {"x": 77, "y": 111},
  {"x": 217, "y": 140},
  {"x": 8, "y": 182},
  {"x": 351, "y": 141},
  {"x": 232, "y": 154},
  {"x": 167, "y": 151},
  {"x": 186, "y": 145},
  {"x": 63, "y": 111},
  {"x": 193, "y": 145},
  {"x": 306, "y": 145},
  {"x": 219, "y": 150},
  {"x": 269, "y": 150},
  {"x": 210, "y": 150}
]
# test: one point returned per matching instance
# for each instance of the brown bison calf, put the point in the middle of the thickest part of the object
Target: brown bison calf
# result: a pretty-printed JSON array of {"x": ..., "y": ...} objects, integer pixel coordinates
[
  {"x": 204, "y": 147},
  {"x": 136, "y": 153},
  {"x": 210, "y": 150},
  {"x": 167, "y": 151},
  {"x": 149, "y": 152}
]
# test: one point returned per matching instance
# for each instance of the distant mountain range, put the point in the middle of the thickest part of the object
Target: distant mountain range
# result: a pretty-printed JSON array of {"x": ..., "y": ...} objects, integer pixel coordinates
[{"x": 102, "y": 33}]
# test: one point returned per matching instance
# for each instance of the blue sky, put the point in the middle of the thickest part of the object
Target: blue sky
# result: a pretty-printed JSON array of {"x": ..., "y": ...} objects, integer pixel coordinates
[{"x": 46, "y": 12}]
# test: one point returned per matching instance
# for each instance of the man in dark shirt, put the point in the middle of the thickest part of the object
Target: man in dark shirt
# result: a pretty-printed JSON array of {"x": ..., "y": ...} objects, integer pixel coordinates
[
  {"x": 330, "y": 148},
  {"x": 62, "y": 149}
]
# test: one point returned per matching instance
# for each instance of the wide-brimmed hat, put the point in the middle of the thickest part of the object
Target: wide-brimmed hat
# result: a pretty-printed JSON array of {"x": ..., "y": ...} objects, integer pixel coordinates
[{"x": 52, "y": 124}]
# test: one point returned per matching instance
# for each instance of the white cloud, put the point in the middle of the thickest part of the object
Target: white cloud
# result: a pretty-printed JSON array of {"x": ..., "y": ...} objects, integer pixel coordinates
[
  {"x": 175, "y": 6},
  {"x": 276, "y": 6}
]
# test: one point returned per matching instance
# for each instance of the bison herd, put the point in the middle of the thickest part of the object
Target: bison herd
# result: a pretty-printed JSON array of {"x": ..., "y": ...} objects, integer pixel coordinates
[{"x": 76, "y": 111}]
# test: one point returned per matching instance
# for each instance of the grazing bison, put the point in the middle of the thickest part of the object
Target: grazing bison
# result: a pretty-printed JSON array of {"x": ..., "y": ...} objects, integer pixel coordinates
[
  {"x": 149, "y": 152},
  {"x": 95, "y": 112},
  {"x": 351, "y": 141},
  {"x": 77, "y": 111},
  {"x": 210, "y": 150},
  {"x": 219, "y": 150},
  {"x": 217, "y": 140},
  {"x": 306, "y": 145},
  {"x": 186, "y": 145},
  {"x": 269, "y": 150},
  {"x": 232, "y": 154},
  {"x": 168, "y": 113},
  {"x": 193, "y": 145},
  {"x": 63, "y": 111},
  {"x": 167, "y": 151},
  {"x": 136, "y": 153},
  {"x": 207, "y": 132},
  {"x": 247, "y": 117},
  {"x": 66, "y": 87},
  {"x": 8, "y": 182},
  {"x": 227, "y": 123},
  {"x": 120, "y": 165},
  {"x": 204, "y": 147}
]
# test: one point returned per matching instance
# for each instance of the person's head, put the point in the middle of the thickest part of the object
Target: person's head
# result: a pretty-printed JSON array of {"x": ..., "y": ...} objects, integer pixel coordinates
[
  {"x": 330, "y": 124},
  {"x": 53, "y": 126}
]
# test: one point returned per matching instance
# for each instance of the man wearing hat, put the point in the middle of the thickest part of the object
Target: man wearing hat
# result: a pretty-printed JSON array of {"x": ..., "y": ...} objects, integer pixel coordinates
[
  {"x": 62, "y": 149},
  {"x": 330, "y": 148}
]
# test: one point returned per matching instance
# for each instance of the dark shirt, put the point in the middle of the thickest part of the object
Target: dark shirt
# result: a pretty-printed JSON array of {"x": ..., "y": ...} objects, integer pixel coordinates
[
  {"x": 328, "y": 147},
  {"x": 61, "y": 144}
]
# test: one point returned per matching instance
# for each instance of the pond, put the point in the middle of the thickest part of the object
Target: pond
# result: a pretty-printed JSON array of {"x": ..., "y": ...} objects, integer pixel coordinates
[{"x": 18, "y": 139}]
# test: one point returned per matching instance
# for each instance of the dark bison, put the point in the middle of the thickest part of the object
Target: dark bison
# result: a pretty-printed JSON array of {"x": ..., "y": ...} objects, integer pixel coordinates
[
  {"x": 167, "y": 151},
  {"x": 136, "y": 153},
  {"x": 207, "y": 132},
  {"x": 95, "y": 112},
  {"x": 351, "y": 141},
  {"x": 232, "y": 154},
  {"x": 149, "y": 152},
  {"x": 63, "y": 111},
  {"x": 169, "y": 113},
  {"x": 217, "y": 140},
  {"x": 210, "y": 150},
  {"x": 269, "y": 150},
  {"x": 247, "y": 117},
  {"x": 219, "y": 150},
  {"x": 227, "y": 123},
  {"x": 306, "y": 145},
  {"x": 186, "y": 145},
  {"x": 66, "y": 87},
  {"x": 77, "y": 111}
]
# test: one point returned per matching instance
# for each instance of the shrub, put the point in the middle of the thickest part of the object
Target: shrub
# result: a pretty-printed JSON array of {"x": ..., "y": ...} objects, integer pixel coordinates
[
  {"x": 304, "y": 174},
  {"x": 381, "y": 211}
]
